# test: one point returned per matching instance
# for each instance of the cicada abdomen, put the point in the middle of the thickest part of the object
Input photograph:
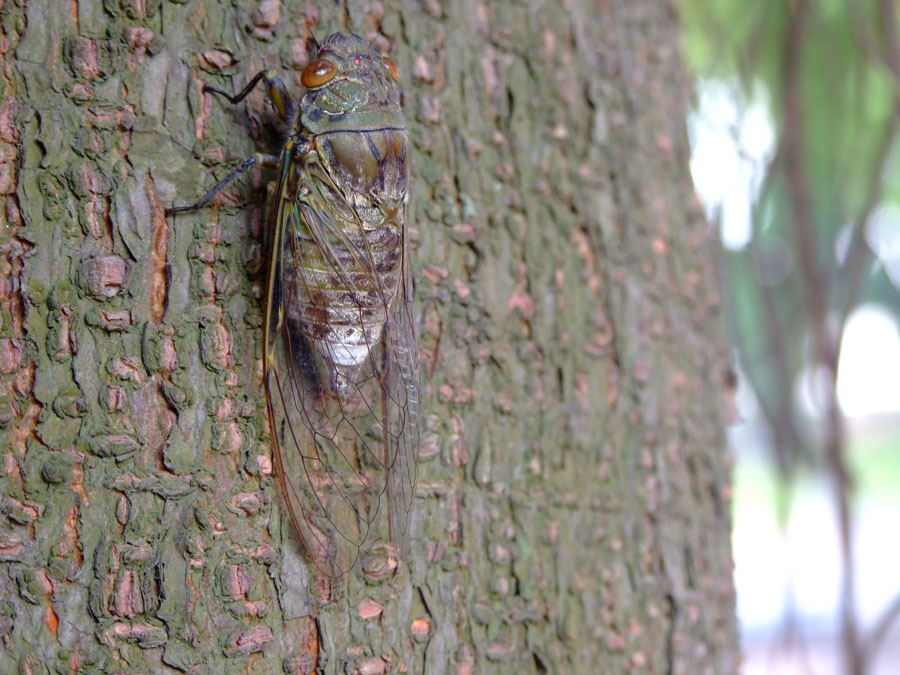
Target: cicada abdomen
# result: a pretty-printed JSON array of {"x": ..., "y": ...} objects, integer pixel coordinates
[{"x": 341, "y": 373}]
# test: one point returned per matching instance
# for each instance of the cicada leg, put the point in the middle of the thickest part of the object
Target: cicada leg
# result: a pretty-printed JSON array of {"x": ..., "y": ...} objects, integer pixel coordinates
[
  {"x": 268, "y": 161},
  {"x": 284, "y": 106}
]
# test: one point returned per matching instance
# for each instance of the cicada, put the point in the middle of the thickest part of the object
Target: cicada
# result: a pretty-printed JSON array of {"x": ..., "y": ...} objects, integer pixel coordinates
[{"x": 340, "y": 360}]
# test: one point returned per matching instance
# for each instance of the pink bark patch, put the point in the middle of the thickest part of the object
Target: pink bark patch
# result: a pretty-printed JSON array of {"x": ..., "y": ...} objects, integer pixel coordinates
[
  {"x": 253, "y": 640},
  {"x": 10, "y": 356},
  {"x": 369, "y": 609},
  {"x": 238, "y": 583},
  {"x": 420, "y": 628},
  {"x": 523, "y": 302},
  {"x": 104, "y": 276},
  {"x": 217, "y": 59}
]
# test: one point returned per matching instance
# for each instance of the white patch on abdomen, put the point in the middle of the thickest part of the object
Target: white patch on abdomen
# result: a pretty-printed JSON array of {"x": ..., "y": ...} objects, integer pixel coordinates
[{"x": 350, "y": 346}]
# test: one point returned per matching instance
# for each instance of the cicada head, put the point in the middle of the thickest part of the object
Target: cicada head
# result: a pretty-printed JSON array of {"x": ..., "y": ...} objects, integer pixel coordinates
[{"x": 350, "y": 85}]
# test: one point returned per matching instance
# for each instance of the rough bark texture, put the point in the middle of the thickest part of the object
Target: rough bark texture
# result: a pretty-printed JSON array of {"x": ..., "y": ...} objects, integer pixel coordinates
[{"x": 574, "y": 488}]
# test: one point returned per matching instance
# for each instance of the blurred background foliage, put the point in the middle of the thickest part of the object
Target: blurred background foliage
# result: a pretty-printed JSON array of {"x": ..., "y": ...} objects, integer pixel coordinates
[{"x": 796, "y": 158}]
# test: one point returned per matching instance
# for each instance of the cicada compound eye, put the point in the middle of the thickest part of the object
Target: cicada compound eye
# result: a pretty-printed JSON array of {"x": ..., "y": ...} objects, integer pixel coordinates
[
  {"x": 318, "y": 73},
  {"x": 392, "y": 68}
]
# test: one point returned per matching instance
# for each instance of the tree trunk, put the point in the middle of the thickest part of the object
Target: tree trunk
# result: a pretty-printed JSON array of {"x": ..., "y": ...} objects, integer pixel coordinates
[{"x": 573, "y": 500}]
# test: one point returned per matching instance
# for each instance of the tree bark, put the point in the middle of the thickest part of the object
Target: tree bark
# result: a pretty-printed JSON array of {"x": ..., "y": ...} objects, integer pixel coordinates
[{"x": 573, "y": 501}]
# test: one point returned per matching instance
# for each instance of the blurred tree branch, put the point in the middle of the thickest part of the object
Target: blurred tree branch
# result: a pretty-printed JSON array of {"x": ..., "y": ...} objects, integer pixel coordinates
[
  {"x": 826, "y": 341},
  {"x": 829, "y": 76}
]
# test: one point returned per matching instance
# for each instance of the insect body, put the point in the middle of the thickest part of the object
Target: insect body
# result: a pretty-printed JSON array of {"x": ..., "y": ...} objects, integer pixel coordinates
[{"x": 341, "y": 369}]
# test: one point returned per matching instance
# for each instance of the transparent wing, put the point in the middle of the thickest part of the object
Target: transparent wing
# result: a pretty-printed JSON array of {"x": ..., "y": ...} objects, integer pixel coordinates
[{"x": 342, "y": 383}]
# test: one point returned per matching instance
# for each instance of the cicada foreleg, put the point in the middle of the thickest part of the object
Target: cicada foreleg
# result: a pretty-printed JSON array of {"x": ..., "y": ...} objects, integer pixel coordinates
[{"x": 284, "y": 105}]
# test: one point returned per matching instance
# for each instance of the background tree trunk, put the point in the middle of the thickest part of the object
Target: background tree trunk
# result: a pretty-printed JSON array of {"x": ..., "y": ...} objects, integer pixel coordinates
[{"x": 574, "y": 489}]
